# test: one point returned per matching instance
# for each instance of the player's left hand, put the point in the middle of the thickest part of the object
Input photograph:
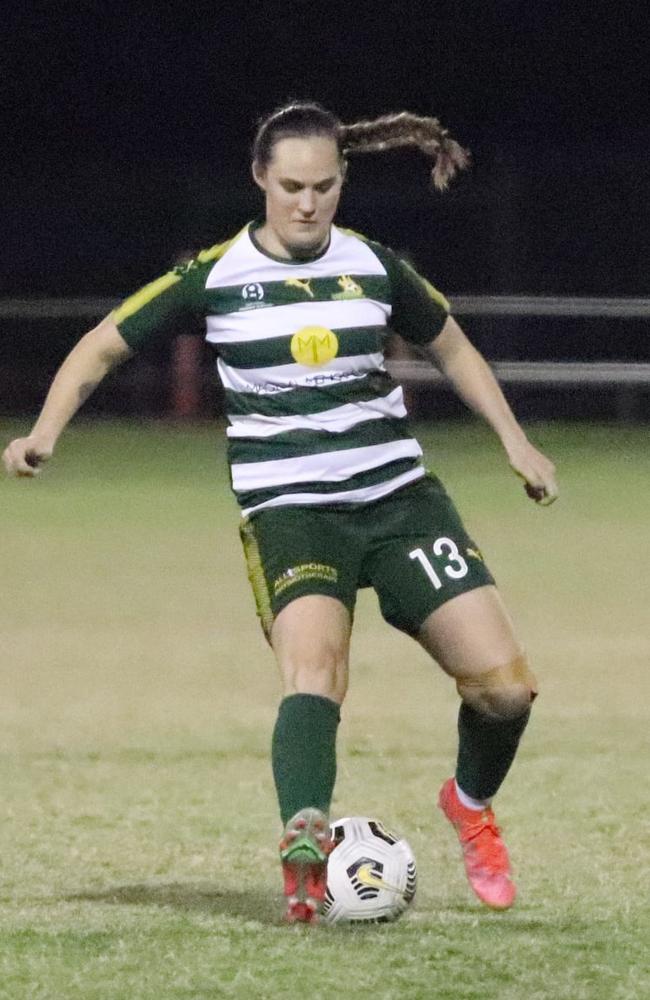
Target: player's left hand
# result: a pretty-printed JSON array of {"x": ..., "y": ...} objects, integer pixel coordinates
[{"x": 537, "y": 471}]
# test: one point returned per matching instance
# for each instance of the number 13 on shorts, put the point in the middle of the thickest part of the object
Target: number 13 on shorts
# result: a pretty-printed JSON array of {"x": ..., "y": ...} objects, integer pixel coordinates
[{"x": 448, "y": 560}]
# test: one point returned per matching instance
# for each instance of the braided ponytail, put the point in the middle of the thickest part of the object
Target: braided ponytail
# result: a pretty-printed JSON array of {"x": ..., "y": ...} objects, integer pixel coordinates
[
  {"x": 406, "y": 129},
  {"x": 302, "y": 118}
]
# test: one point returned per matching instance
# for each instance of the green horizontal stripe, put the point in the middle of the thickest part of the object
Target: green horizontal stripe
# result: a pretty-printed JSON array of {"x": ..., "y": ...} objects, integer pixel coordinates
[
  {"x": 363, "y": 480},
  {"x": 230, "y": 298},
  {"x": 277, "y": 350},
  {"x": 301, "y": 401},
  {"x": 298, "y": 444}
]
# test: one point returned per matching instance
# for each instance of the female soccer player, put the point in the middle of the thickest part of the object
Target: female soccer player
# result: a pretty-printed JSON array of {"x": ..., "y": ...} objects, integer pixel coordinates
[{"x": 333, "y": 491}]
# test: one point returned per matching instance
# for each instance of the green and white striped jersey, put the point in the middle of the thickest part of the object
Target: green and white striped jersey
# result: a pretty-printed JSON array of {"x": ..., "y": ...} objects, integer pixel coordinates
[{"x": 314, "y": 417}]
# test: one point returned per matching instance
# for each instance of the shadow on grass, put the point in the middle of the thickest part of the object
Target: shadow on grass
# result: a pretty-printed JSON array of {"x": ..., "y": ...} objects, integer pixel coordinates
[
  {"x": 197, "y": 896},
  {"x": 265, "y": 908}
]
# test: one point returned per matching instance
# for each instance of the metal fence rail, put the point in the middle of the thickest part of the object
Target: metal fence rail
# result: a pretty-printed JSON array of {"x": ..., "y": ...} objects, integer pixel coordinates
[
  {"x": 629, "y": 380},
  {"x": 557, "y": 373},
  {"x": 548, "y": 305},
  {"x": 463, "y": 305}
]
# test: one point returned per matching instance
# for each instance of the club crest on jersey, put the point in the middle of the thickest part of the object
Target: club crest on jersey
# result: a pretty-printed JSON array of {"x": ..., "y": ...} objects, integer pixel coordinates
[
  {"x": 350, "y": 288},
  {"x": 304, "y": 284},
  {"x": 314, "y": 346},
  {"x": 253, "y": 292}
]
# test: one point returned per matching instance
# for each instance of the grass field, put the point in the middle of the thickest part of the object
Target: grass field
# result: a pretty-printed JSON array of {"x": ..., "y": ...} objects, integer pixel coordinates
[{"x": 139, "y": 825}]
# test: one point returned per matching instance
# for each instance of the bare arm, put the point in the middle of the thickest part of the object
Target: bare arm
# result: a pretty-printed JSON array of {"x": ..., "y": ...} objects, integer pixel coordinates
[
  {"x": 474, "y": 382},
  {"x": 88, "y": 362}
]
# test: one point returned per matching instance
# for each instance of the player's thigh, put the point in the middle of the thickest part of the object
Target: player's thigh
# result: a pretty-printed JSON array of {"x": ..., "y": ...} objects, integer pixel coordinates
[
  {"x": 303, "y": 567},
  {"x": 471, "y": 634},
  {"x": 424, "y": 558},
  {"x": 293, "y": 552},
  {"x": 311, "y": 640}
]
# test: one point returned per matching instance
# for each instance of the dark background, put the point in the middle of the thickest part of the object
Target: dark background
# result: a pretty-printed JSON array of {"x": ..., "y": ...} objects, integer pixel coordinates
[{"x": 128, "y": 130}]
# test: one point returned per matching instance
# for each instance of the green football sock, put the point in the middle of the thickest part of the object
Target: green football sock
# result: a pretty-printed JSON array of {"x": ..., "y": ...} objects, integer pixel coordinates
[
  {"x": 486, "y": 749},
  {"x": 303, "y": 753}
]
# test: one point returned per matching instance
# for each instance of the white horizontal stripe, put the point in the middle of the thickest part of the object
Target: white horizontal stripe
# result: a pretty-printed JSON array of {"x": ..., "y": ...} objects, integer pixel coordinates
[
  {"x": 279, "y": 321},
  {"x": 345, "y": 255},
  {"x": 363, "y": 495},
  {"x": 327, "y": 467},
  {"x": 265, "y": 381},
  {"x": 336, "y": 420}
]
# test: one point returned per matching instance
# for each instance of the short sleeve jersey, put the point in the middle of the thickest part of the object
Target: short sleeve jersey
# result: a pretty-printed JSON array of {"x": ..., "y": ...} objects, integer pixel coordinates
[{"x": 314, "y": 417}]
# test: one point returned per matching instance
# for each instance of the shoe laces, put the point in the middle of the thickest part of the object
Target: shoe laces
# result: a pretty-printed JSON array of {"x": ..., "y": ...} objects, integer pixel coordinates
[{"x": 483, "y": 838}]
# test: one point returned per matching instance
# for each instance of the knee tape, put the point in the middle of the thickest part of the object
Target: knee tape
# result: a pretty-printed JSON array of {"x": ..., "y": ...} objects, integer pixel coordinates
[{"x": 498, "y": 679}]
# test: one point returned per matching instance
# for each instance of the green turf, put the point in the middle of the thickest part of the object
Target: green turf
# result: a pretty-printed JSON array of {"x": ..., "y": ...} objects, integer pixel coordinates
[{"x": 139, "y": 824}]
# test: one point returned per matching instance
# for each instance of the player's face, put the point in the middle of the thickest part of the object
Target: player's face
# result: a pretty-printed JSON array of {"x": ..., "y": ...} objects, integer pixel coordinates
[{"x": 302, "y": 185}]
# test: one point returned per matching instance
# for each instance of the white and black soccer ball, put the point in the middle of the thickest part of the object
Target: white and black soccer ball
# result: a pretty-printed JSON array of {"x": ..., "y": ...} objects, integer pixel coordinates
[{"x": 371, "y": 874}]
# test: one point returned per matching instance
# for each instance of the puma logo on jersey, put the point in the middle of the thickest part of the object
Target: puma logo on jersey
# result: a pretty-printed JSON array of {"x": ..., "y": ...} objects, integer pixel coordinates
[
  {"x": 350, "y": 288},
  {"x": 475, "y": 553},
  {"x": 304, "y": 284}
]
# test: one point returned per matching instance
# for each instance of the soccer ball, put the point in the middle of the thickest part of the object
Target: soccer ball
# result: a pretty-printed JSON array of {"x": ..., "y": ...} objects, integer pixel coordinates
[{"x": 371, "y": 874}]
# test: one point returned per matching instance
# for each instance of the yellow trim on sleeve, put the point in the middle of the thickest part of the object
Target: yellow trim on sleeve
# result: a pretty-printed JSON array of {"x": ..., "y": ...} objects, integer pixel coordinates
[
  {"x": 435, "y": 294},
  {"x": 151, "y": 291},
  {"x": 219, "y": 249},
  {"x": 142, "y": 297},
  {"x": 353, "y": 232}
]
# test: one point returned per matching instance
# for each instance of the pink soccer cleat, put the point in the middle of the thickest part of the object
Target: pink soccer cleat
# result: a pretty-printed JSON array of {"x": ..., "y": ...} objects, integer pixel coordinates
[{"x": 486, "y": 859}]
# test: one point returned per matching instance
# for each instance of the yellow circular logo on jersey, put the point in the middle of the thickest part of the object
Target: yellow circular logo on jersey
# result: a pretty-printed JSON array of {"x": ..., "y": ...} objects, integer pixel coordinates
[{"x": 314, "y": 345}]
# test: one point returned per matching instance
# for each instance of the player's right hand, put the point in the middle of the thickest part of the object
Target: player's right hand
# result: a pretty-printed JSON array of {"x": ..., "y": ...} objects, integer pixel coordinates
[{"x": 25, "y": 456}]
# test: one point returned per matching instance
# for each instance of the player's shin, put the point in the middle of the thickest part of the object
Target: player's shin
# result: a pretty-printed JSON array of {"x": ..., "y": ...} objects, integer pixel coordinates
[
  {"x": 304, "y": 753},
  {"x": 304, "y": 769},
  {"x": 486, "y": 750},
  {"x": 493, "y": 716}
]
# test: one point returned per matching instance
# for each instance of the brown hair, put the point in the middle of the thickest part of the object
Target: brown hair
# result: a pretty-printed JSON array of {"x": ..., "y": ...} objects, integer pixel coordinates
[{"x": 301, "y": 119}]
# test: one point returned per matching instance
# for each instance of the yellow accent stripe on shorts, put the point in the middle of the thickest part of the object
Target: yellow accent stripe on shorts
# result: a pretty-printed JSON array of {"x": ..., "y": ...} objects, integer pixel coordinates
[
  {"x": 142, "y": 297},
  {"x": 256, "y": 575}
]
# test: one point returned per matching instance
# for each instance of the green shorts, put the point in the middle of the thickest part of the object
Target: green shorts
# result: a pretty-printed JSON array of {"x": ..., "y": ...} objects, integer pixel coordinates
[{"x": 410, "y": 546}]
